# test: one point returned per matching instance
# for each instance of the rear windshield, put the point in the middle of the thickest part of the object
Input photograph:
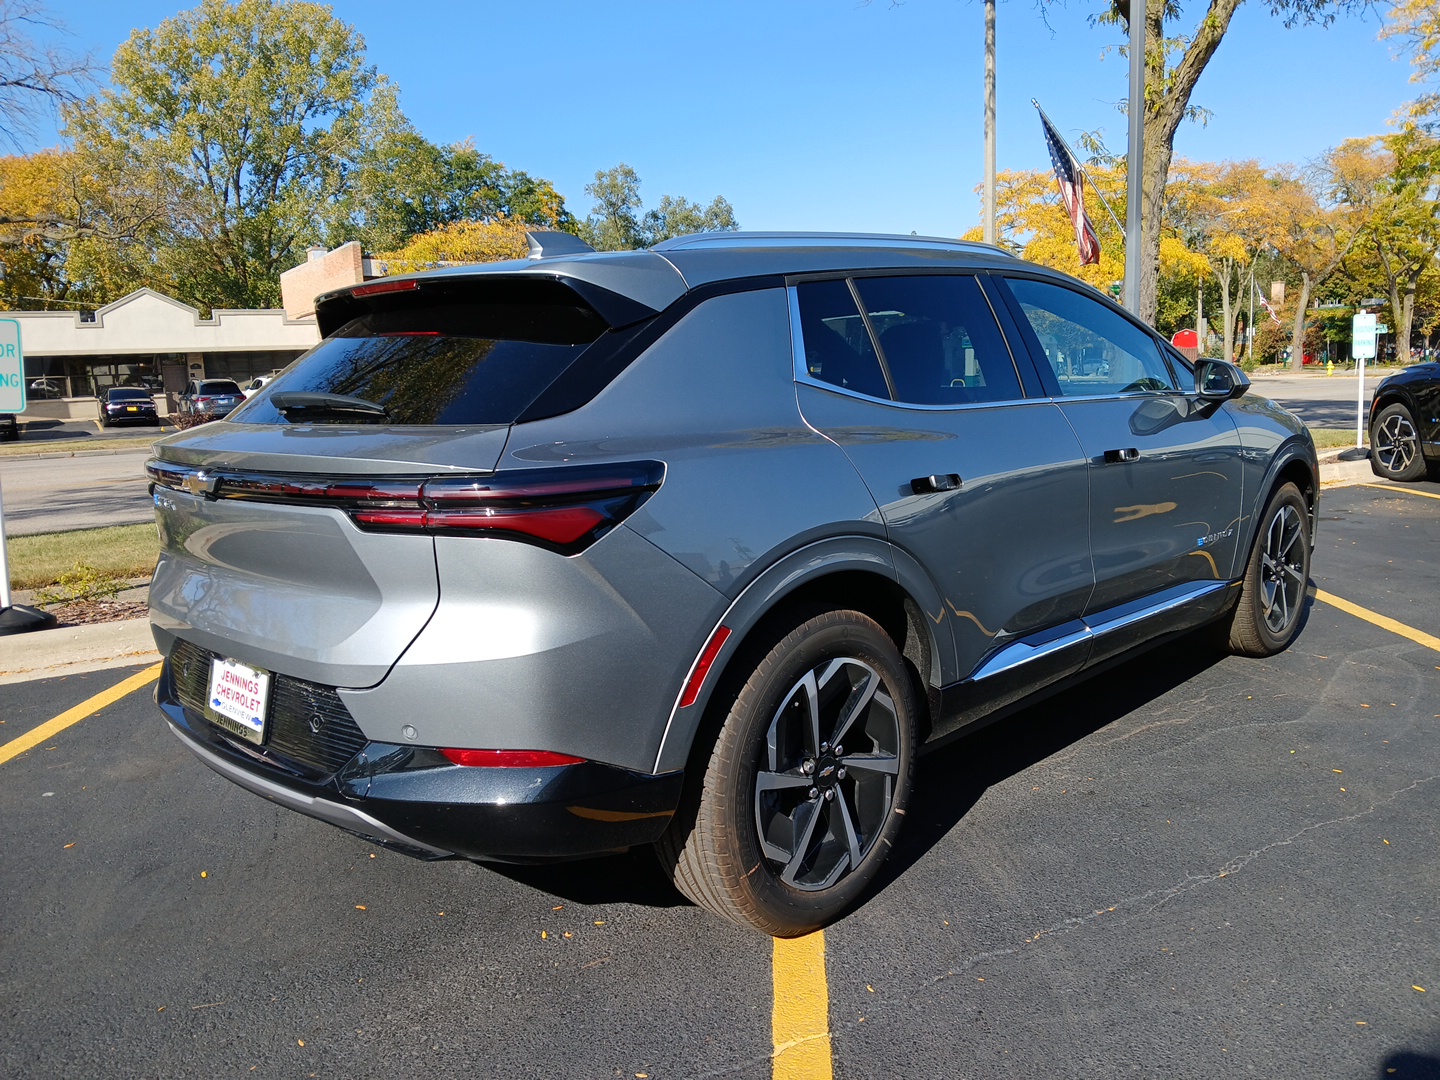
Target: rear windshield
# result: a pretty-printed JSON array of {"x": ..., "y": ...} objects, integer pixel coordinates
[
  {"x": 219, "y": 386},
  {"x": 439, "y": 364},
  {"x": 129, "y": 395}
]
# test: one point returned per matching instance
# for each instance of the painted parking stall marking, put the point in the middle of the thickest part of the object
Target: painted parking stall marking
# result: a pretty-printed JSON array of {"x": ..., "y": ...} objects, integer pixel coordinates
[
  {"x": 800, "y": 1021},
  {"x": 1430, "y": 641},
  {"x": 89, "y": 707}
]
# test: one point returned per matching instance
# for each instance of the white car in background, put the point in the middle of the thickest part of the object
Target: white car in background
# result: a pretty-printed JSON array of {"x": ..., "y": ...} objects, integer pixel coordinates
[{"x": 256, "y": 384}]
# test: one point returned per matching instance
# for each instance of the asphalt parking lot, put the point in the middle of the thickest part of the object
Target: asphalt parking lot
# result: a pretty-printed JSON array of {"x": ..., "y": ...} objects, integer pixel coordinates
[{"x": 1190, "y": 866}]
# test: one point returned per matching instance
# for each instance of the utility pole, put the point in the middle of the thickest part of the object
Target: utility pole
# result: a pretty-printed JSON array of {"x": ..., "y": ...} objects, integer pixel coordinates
[
  {"x": 1134, "y": 158},
  {"x": 989, "y": 121}
]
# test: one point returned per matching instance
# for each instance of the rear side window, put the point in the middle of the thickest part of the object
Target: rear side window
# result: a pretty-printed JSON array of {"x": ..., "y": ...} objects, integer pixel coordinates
[
  {"x": 476, "y": 361},
  {"x": 838, "y": 350},
  {"x": 939, "y": 339}
]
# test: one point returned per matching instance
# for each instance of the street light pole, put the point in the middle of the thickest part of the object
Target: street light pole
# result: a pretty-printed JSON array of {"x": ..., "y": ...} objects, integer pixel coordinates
[
  {"x": 989, "y": 121},
  {"x": 1134, "y": 158}
]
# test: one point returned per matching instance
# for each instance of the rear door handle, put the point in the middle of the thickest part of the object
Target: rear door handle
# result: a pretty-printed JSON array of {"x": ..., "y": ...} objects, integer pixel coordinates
[
  {"x": 1130, "y": 453},
  {"x": 924, "y": 485}
]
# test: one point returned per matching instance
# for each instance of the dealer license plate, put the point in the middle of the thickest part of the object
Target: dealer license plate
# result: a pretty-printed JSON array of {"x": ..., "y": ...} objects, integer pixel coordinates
[{"x": 238, "y": 697}]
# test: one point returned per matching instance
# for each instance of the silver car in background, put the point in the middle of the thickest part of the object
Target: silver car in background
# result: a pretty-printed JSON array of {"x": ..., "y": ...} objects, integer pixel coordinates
[{"x": 699, "y": 546}]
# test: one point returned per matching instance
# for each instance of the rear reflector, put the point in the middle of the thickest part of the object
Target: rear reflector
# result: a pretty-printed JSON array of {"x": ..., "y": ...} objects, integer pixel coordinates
[
  {"x": 703, "y": 666},
  {"x": 511, "y": 759}
]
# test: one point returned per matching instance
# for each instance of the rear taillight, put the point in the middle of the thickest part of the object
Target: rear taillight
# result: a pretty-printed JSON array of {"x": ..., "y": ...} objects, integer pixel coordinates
[
  {"x": 565, "y": 508},
  {"x": 511, "y": 759}
]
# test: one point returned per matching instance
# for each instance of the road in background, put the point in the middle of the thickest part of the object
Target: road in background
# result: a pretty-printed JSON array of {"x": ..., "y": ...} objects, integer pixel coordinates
[
  {"x": 44, "y": 494},
  {"x": 1189, "y": 865},
  {"x": 1320, "y": 400}
]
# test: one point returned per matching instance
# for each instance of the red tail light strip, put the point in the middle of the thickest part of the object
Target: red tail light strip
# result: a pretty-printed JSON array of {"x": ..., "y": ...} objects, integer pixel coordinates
[{"x": 565, "y": 507}]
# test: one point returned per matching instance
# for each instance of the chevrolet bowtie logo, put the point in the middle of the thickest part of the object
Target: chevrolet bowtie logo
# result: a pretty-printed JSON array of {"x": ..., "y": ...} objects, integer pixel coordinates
[{"x": 200, "y": 483}]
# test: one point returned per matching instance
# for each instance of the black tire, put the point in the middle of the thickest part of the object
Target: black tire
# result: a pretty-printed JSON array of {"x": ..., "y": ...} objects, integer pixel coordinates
[
  {"x": 1395, "y": 451},
  {"x": 836, "y": 671},
  {"x": 1272, "y": 594}
]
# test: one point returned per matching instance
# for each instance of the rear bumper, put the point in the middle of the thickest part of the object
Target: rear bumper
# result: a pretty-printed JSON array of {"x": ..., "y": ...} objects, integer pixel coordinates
[{"x": 414, "y": 800}]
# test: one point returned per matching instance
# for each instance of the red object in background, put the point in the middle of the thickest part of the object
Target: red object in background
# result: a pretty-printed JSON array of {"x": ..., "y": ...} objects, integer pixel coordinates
[{"x": 1185, "y": 339}]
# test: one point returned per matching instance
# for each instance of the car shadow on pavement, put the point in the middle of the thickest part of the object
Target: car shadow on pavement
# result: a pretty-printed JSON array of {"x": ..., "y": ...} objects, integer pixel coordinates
[
  {"x": 633, "y": 877},
  {"x": 949, "y": 781}
]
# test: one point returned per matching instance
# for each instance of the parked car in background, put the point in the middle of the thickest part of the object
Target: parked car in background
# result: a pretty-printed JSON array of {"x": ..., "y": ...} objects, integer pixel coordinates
[
  {"x": 44, "y": 389},
  {"x": 698, "y": 546},
  {"x": 9, "y": 427},
  {"x": 127, "y": 405},
  {"x": 210, "y": 397},
  {"x": 256, "y": 384},
  {"x": 1405, "y": 423}
]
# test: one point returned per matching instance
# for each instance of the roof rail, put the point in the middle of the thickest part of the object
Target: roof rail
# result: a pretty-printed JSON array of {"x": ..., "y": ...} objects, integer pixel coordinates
[
  {"x": 545, "y": 243},
  {"x": 832, "y": 239}
]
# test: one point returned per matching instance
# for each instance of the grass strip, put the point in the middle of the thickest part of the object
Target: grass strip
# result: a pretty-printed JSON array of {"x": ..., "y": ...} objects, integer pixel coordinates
[
  {"x": 1333, "y": 438},
  {"x": 124, "y": 551}
]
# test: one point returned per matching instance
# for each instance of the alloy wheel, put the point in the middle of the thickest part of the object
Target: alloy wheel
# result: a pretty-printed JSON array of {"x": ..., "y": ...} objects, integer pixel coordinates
[
  {"x": 1282, "y": 569},
  {"x": 1396, "y": 443},
  {"x": 827, "y": 783}
]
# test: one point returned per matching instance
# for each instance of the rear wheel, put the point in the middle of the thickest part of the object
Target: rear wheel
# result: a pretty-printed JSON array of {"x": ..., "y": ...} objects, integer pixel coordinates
[
  {"x": 1272, "y": 594},
  {"x": 807, "y": 786},
  {"x": 1395, "y": 445}
]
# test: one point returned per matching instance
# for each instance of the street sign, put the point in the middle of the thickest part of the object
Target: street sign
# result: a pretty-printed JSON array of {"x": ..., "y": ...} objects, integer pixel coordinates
[
  {"x": 1362, "y": 333},
  {"x": 12, "y": 368}
]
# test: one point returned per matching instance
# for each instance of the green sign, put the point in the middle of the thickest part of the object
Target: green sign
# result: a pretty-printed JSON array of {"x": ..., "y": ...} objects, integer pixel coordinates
[{"x": 12, "y": 368}]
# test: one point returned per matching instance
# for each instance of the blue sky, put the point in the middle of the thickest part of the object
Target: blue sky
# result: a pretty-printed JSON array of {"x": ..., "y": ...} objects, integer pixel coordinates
[{"x": 819, "y": 114}]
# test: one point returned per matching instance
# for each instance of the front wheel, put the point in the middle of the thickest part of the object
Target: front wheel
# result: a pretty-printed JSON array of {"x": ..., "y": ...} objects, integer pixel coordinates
[
  {"x": 1395, "y": 445},
  {"x": 1272, "y": 594},
  {"x": 807, "y": 786}
]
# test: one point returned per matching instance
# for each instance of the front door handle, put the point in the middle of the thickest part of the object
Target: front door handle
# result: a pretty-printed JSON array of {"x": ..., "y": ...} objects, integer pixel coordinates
[
  {"x": 1130, "y": 453},
  {"x": 924, "y": 485}
]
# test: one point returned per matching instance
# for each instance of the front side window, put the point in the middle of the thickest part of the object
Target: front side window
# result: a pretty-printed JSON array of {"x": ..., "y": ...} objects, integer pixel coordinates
[
  {"x": 939, "y": 339},
  {"x": 1090, "y": 348}
]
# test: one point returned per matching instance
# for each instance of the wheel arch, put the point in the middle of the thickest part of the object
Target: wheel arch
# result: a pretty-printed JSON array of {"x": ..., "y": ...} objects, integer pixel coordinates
[
  {"x": 1293, "y": 463},
  {"x": 854, "y": 572}
]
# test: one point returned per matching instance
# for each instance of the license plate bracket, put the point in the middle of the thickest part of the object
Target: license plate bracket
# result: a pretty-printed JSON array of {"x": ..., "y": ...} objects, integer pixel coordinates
[{"x": 238, "y": 698}]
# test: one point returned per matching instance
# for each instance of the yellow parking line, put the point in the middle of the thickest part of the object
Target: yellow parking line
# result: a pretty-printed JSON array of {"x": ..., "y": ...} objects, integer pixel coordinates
[
  {"x": 89, "y": 707},
  {"x": 1402, "y": 490},
  {"x": 1382, "y": 621},
  {"x": 800, "y": 1021}
]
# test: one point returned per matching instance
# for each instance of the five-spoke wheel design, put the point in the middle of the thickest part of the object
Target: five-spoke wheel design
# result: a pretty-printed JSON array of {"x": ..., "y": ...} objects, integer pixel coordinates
[
  {"x": 827, "y": 784},
  {"x": 1395, "y": 444},
  {"x": 807, "y": 783}
]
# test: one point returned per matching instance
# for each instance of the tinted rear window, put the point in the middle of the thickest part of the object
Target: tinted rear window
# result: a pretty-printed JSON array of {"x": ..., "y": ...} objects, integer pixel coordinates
[
  {"x": 446, "y": 364},
  {"x": 218, "y": 386},
  {"x": 129, "y": 395}
]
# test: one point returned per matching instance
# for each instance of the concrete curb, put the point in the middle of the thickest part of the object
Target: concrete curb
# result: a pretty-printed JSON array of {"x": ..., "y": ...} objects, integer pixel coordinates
[{"x": 70, "y": 650}]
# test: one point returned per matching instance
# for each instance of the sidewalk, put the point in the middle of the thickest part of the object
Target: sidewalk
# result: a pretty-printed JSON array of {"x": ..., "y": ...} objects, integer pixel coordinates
[{"x": 69, "y": 650}]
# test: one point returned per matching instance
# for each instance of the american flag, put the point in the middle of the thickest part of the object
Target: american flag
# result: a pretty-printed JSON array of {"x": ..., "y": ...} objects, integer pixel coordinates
[{"x": 1072, "y": 190}]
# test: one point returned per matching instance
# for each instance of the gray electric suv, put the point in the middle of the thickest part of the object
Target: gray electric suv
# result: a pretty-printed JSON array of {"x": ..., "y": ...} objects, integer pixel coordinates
[{"x": 699, "y": 546}]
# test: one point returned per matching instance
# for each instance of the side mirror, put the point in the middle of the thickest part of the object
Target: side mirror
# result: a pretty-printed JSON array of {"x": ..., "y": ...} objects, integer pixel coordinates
[{"x": 1219, "y": 380}]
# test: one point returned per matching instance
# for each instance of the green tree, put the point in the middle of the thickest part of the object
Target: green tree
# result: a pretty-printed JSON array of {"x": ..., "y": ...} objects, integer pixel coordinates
[
  {"x": 1174, "y": 61},
  {"x": 617, "y": 224},
  {"x": 256, "y": 114}
]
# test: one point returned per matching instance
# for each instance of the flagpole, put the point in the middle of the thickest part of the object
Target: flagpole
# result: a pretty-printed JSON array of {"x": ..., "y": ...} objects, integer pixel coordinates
[
  {"x": 1134, "y": 158},
  {"x": 989, "y": 121},
  {"x": 1098, "y": 193}
]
